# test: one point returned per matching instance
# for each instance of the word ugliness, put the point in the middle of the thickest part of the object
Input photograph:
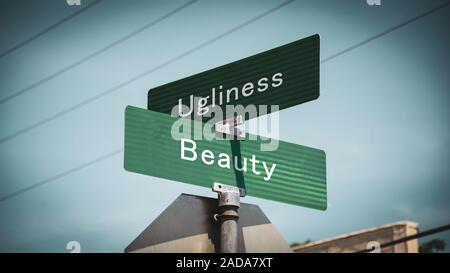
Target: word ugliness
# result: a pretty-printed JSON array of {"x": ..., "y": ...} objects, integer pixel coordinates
[
  {"x": 224, "y": 160},
  {"x": 221, "y": 96}
]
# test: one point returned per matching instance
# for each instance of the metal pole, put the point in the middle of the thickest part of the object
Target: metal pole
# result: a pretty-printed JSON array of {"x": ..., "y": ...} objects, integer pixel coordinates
[
  {"x": 228, "y": 195},
  {"x": 228, "y": 216}
]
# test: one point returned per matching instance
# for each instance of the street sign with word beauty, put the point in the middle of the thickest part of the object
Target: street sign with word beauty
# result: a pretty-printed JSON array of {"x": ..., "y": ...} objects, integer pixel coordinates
[
  {"x": 285, "y": 76},
  {"x": 293, "y": 174}
]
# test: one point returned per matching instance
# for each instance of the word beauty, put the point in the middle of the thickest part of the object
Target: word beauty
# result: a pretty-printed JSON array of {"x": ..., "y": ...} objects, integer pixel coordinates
[
  {"x": 285, "y": 76},
  {"x": 293, "y": 174},
  {"x": 224, "y": 161}
]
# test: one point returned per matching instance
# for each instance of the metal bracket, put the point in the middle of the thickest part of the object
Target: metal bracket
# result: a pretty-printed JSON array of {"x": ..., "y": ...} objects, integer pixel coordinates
[
  {"x": 228, "y": 195},
  {"x": 228, "y": 127},
  {"x": 228, "y": 216}
]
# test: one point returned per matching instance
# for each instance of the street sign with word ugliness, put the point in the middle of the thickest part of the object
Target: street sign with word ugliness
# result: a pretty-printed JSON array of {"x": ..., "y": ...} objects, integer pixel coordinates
[
  {"x": 293, "y": 174},
  {"x": 285, "y": 76}
]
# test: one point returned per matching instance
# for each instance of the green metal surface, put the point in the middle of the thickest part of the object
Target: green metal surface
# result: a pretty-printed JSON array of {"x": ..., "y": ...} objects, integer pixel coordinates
[
  {"x": 299, "y": 177},
  {"x": 297, "y": 61}
]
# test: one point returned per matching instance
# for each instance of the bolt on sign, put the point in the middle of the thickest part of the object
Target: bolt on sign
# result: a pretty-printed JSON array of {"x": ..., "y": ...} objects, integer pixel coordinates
[
  {"x": 285, "y": 76},
  {"x": 293, "y": 174}
]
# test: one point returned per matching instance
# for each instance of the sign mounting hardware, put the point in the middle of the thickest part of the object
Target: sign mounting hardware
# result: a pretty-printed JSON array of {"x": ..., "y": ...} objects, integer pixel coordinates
[{"x": 228, "y": 127}]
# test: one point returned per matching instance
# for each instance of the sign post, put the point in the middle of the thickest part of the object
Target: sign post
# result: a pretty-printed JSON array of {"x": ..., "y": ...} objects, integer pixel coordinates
[
  {"x": 228, "y": 196},
  {"x": 228, "y": 216},
  {"x": 281, "y": 78}
]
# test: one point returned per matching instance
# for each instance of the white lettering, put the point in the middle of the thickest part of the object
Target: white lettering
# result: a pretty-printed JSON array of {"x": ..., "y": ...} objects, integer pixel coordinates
[
  {"x": 189, "y": 153},
  {"x": 192, "y": 150}
]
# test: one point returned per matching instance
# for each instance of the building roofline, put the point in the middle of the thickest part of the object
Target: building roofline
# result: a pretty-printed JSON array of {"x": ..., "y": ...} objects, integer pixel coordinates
[{"x": 355, "y": 233}]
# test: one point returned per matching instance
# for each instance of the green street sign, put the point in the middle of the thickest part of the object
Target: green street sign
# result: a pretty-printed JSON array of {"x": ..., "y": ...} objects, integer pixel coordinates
[
  {"x": 293, "y": 174},
  {"x": 285, "y": 76}
]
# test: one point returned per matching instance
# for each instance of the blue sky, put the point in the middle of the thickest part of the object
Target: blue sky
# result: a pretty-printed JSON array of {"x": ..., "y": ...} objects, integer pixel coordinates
[{"x": 382, "y": 116}]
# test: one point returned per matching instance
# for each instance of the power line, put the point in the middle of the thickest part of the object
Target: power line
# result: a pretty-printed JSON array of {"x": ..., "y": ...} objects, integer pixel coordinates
[
  {"x": 65, "y": 173},
  {"x": 411, "y": 237},
  {"x": 50, "y": 28},
  {"x": 385, "y": 32},
  {"x": 141, "y": 75},
  {"x": 108, "y": 155},
  {"x": 94, "y": 54},
  {"x": 145, "y": 73},
  {"x": 198, "y": 47}
]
